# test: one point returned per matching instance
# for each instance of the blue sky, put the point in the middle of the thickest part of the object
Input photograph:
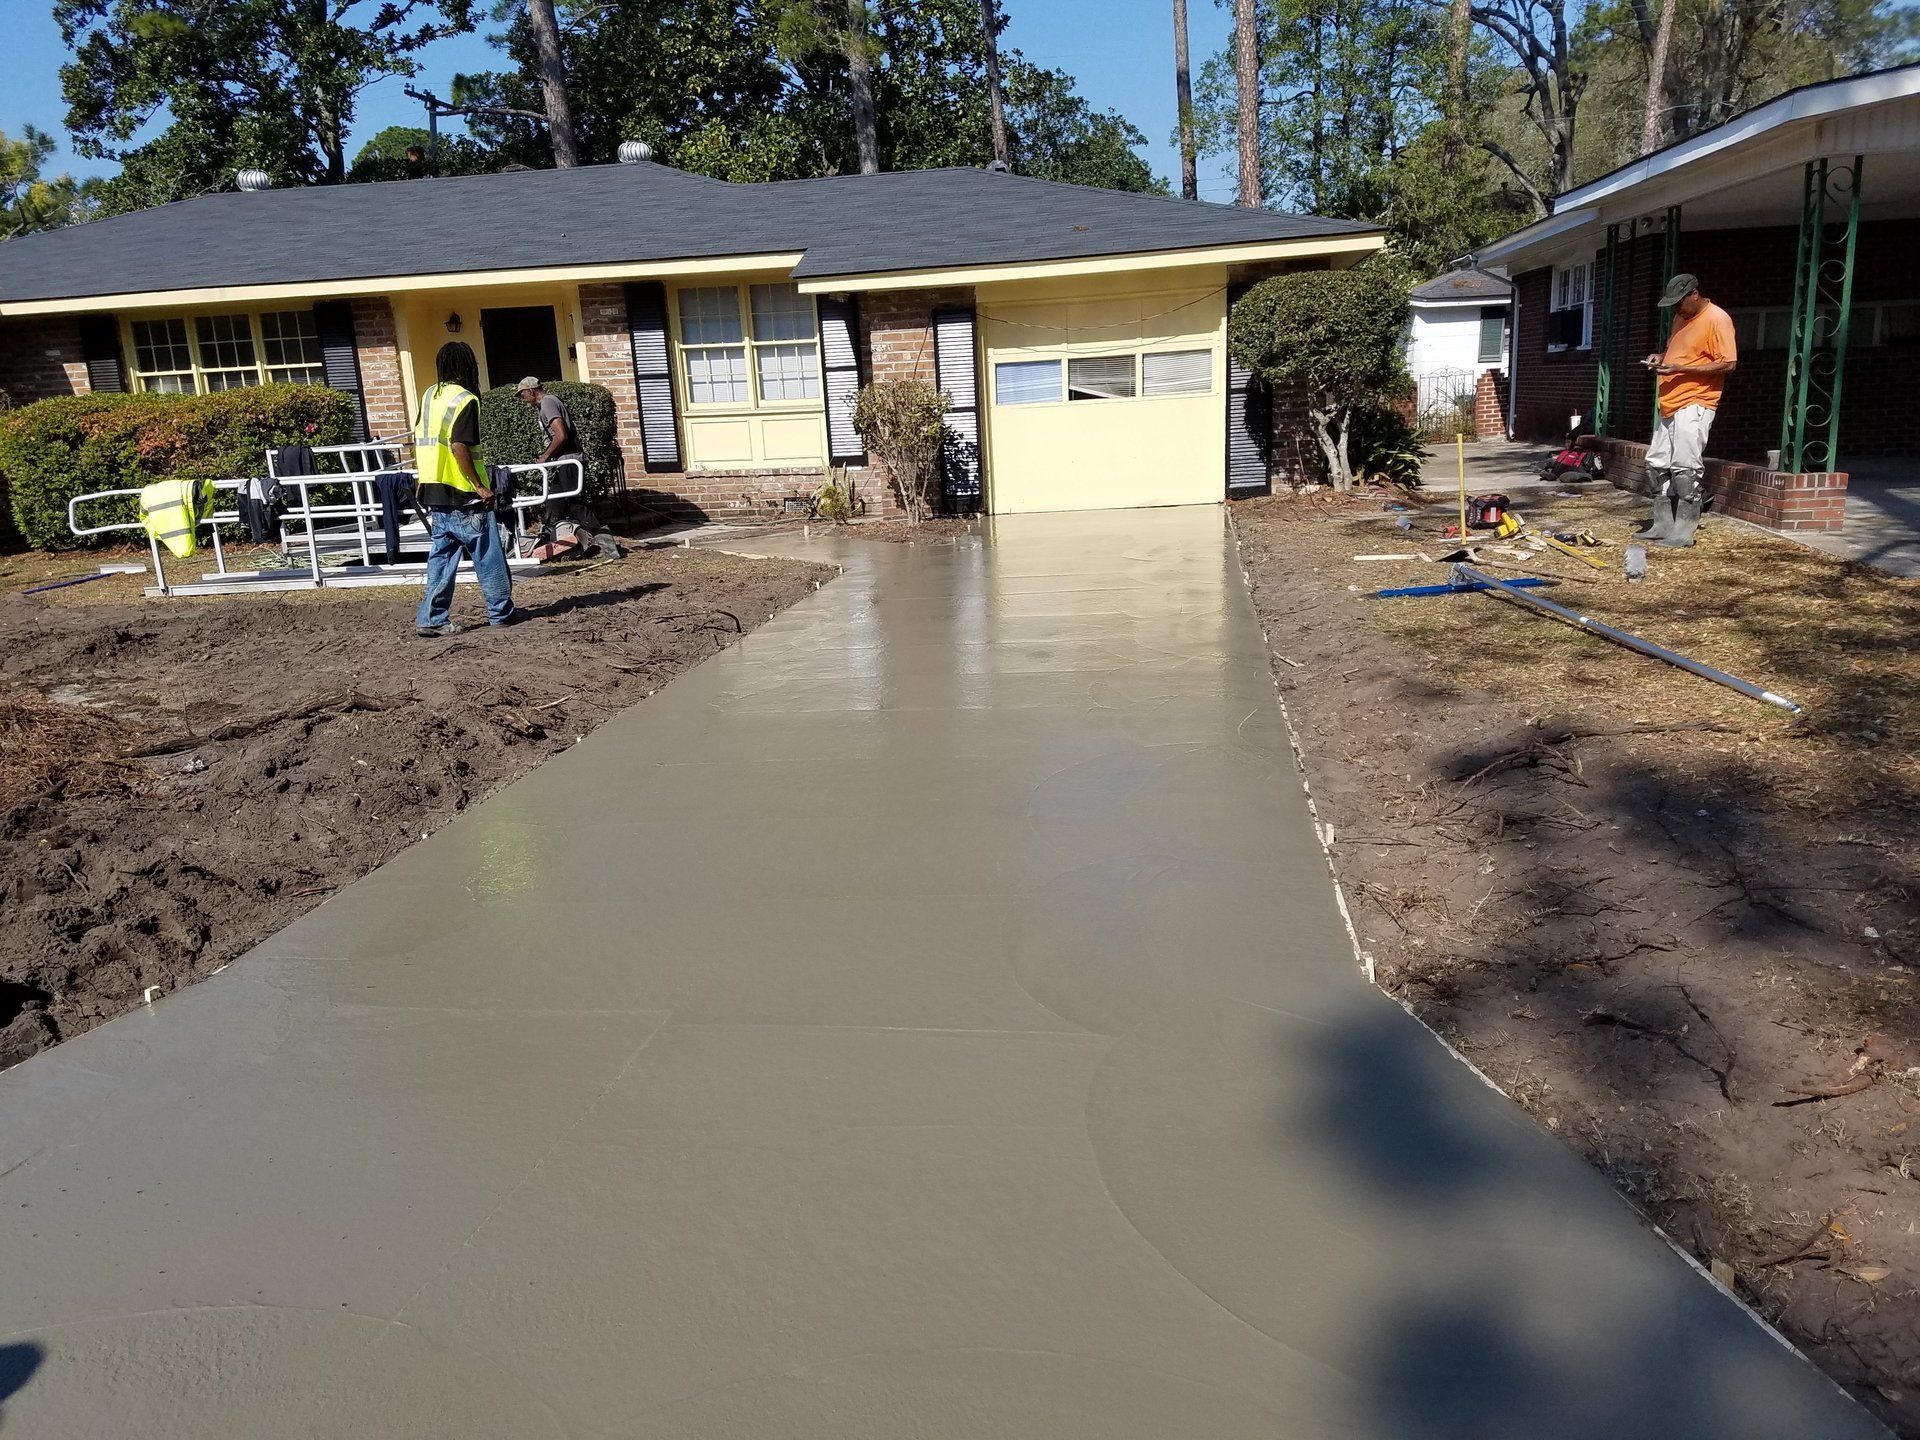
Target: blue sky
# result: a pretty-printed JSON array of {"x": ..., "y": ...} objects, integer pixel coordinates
[{"x": 1121, "y": 52}]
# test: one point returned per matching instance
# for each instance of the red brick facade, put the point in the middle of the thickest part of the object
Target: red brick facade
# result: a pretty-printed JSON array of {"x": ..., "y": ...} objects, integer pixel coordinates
[
  {"x": 1490, "y": 406},
  {"x": 41, "y": 358},
  {"x": 1774, "y": 498},
  {"x": 1739, "y": 269},
  {"x": 380, "y": 386}
]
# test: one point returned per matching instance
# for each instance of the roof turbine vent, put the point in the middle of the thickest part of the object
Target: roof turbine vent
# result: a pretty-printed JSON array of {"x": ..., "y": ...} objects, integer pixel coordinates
[
  {"x": 632, "y": 152},
  {"x": 253, "y": 180},
  {"x": 998, "y": 167}
]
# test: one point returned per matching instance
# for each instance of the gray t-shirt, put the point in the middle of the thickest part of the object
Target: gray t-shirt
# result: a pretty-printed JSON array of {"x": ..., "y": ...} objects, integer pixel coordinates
[{"x": 553, "y": 408}]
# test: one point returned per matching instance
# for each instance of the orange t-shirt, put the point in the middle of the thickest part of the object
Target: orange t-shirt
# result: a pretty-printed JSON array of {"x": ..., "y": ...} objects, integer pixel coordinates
[{"x": 1703, "y": 340}]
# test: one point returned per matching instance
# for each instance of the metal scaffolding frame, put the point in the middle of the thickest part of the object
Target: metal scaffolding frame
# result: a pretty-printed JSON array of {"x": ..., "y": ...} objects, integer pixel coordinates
[
  {"x": 1669, "y": 264},
  {"x": 1822, "y": 309}
]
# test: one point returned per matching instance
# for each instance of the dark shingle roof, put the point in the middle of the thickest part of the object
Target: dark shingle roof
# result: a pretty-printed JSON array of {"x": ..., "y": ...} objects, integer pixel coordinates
[
  {"x": 1464, "y": 285},
  {"x": 606, "y": 214}
]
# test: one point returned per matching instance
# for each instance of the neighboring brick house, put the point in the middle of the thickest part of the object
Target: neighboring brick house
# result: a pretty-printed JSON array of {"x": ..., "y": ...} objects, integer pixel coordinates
[
  {"x": 1738, "y": 194},
  {"x": 1080, "y": 333}
]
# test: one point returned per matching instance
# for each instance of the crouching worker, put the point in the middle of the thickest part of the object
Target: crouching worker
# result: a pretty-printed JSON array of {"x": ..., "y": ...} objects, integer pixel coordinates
[{"x": 455, "y": 497}]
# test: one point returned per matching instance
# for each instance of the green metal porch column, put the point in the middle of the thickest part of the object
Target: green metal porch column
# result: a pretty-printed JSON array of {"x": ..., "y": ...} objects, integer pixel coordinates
[
  {"x": 1603, "y": 367},
  {"x": 1669, "y": 263},
  {"x": 1822, "y": 309}
]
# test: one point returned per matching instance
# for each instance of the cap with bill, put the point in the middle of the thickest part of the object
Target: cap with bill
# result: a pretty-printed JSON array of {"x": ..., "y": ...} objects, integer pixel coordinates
[
  {"x": 1678, "y": 288},
  {"x": 532, "y": 382}
]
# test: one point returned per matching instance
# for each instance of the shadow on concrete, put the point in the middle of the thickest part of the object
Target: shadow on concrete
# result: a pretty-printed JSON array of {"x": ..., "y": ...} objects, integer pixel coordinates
[{"x": 19, "y": 1362}]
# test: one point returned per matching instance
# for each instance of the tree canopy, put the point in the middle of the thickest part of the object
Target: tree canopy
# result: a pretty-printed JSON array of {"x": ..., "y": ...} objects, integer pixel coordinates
[{"x": 29, "y": 201}]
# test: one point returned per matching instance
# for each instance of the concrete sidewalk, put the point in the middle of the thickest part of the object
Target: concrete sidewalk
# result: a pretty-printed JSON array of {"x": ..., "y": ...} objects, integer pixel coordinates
[{"x": 930, "y": 1017}]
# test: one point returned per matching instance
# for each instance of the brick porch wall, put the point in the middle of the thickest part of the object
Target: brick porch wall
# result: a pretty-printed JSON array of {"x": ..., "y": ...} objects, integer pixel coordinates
[
  {"x": 41, "y": 358},
  {"x": 1490, "y": 406},
  {"x": 1776, "y": 499},
  {"x": 375, "y": 342}
]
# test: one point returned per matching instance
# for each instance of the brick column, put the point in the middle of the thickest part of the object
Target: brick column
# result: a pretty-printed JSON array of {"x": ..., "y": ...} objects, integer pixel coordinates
[
  {"x": 609, "y": 363},
  {"x": 1490, "y": 406},
  {"x": 896, "y": 337},
  {"x": 41, "y": 358},
  {"x": 379, "y": 352}
]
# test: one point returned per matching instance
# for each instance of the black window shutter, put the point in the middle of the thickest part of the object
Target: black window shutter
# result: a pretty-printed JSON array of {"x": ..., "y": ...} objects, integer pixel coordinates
[
  {"x": 100, "y": 348},
  {"x": 840, "y": 344},
  {"x": 955, "y": 371},
  {"x": 340, "y": 357},
  {"x": 653, "y": 374},
  {"x": 1249, "y": 425},
  {"x": 1493, "y": 322}
]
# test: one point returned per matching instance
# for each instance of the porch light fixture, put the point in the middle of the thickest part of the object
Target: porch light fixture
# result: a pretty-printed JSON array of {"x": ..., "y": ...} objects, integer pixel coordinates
[{"x": 453, "y": 323}]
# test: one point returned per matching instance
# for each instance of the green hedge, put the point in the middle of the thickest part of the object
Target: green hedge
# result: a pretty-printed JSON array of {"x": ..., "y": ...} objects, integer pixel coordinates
[
  {"x": 52, "y": 450},
  {"x": 510, "y": 432}
]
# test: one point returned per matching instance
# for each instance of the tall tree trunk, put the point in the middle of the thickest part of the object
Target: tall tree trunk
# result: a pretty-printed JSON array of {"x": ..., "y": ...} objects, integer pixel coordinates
[
  {"x": 996, "y": 101},
  {"x": 1246, "y": 64},
  {"x": 1183, "y": 97},
  {"x": 1653, "y": 117},
  {"x": 1459, "y": 50},
  {"x": 866, "y": 132},
  {"x": 553, "y": 83}
]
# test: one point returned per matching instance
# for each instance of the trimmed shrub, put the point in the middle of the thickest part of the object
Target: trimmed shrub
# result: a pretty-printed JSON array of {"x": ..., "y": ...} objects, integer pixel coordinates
[
  {"x": 902, "y": 422},
  {"x": 511, "y": 434},
  {"x": 55, "y": 449}
]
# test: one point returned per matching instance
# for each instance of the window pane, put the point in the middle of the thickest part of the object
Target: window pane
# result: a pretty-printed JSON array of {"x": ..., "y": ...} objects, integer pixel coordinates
[
  {"x": 788, "y": 372},
  {"x": 710, "y": 316},
  {"x": 1183, "y": 372},
  {"x": 1026, "y": 382},
  {"x": 229, "y": 379},
  {"x": 1776, "y": 332},
  {"x": 1100, "y": 377},
  {"x": 160, "y": 346},
  {"x": 781, "y": 312},
  {"x": 226, "y": 343},
  {"x": 1493, "y": 334},
  {"x": 717, "y": 376},
  {"x": 289, "y": 338},
  {"x": 1900, "y": 323},
  {"x": 169, "y": 384}
]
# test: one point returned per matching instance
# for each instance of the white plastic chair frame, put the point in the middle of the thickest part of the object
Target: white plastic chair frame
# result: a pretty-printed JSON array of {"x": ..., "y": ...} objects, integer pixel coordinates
[{"x": 559, "y": 480}]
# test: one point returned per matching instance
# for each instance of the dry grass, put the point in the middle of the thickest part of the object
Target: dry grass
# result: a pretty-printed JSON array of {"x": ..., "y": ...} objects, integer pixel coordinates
[
  {"x": 50, "y": 750},
  {"x": 1836, "y": 637}
]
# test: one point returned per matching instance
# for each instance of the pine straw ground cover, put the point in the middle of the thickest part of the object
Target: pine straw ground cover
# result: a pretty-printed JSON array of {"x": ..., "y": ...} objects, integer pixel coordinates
[{"x": 1681, "y": 927}]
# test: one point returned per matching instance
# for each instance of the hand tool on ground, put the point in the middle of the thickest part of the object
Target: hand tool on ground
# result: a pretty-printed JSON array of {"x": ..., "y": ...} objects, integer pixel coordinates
[
  {"x": 1511, "y": 589},
  {"x": 1452, "y": 587}
]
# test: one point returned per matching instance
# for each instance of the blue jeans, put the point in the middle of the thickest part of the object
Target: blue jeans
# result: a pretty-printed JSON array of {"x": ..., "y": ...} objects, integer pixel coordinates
[{"x": 473, "y": 535}]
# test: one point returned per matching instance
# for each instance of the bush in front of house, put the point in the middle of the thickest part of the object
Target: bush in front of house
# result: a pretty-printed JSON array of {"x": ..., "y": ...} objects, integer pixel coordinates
[
  {"x": 511, "y": 434},
  {"x": 53, "y": 450},
  {"x": 902, "y": 423},
  {"x": 1336, "y": 336}
]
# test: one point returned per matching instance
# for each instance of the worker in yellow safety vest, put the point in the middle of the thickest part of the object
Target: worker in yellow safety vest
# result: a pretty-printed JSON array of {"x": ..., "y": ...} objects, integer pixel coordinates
[
  {"x": 171, "y": 512},
  {"x": 454, "y": 495}
]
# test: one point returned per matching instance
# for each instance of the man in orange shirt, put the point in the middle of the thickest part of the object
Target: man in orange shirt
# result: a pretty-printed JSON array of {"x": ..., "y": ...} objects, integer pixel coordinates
[{"x": 1692, "y": 373}]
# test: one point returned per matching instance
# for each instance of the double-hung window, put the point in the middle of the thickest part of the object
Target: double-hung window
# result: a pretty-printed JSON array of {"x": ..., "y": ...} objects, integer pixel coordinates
[
  {"x": 204, "y": 353},
  {"x": 1570, "y": 317},
  {"x": 742, "y": 345}
]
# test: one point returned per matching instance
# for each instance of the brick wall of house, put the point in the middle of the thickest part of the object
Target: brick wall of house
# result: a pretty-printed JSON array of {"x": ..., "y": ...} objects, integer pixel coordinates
[
  {"x": 896, "y": 341},
  {"x": 1739, "y": 269},
  {"x": 609, "y": 362},
  {"x": 381, "y": 390},
  {"x": 41, "y": 358},
  {"x": 1490, "y": 405}
]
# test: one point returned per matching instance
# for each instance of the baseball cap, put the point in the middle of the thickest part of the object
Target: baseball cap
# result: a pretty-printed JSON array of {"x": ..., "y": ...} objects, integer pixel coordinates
[
  {"x": 532, "y": 382},
  {"x": 1678, "y": 288}
]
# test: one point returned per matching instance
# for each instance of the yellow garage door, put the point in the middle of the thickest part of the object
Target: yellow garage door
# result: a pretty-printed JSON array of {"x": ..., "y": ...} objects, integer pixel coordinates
[{"x": 1102, "y": 396}]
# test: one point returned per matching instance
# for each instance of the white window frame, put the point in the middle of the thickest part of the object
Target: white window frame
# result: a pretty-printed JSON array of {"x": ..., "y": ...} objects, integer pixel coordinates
[
  {"x": 759, "y": 353},
  {"x": 1565, "y": 279},
  {"x": 259, "y": 372},
  {"x": 1065, "y": 358}
]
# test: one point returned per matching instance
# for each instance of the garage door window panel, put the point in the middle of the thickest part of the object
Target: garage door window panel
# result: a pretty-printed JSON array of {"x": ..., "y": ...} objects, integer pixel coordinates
[
  {"x": 1101, "y": 377},
  {"x": 1026, "y": 382},
  {"x": 1176, "y": 372}
]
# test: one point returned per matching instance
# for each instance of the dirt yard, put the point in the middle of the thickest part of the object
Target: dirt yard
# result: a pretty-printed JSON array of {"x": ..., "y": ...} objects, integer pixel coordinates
[
  {"x": 179, "y": 778},
  {"x": 1679, "y": 926}
]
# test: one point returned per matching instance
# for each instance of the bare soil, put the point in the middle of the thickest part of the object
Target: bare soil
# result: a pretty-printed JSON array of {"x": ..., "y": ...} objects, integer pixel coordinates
[
  {"x": 180, "y": 778},
  {"x": 1678, "y": 926},
  {"x": 934, "y": 527}
]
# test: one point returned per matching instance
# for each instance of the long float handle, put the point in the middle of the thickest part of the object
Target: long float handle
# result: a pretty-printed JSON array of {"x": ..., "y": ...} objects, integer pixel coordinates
[{"x": 1632, "y": 642}]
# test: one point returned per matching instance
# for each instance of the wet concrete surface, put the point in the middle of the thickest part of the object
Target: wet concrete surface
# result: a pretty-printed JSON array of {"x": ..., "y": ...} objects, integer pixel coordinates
[{"x": 929, "y": 1017}]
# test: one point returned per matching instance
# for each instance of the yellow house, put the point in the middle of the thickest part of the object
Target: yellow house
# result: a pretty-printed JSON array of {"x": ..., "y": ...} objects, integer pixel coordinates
[{"x": 1080, "y": 334}]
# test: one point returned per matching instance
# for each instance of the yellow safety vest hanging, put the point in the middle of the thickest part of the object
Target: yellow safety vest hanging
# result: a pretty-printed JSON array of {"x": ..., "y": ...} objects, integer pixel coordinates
[
  {"x": 433, "y": 448},
  {"x": 171, "y": 512}
]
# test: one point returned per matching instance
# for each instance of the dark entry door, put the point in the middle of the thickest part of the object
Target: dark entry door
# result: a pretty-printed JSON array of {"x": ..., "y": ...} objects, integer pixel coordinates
[{"x": 521, "y": 340}]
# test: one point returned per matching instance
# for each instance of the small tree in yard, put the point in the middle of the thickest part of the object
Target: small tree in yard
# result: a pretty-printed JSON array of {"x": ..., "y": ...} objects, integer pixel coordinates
[
  {"x": 1335, "y": 337},
  {"x": 901, "y": 423}
]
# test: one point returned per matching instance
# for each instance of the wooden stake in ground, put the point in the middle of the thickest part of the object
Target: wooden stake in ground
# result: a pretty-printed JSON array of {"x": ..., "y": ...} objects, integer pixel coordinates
[{"x": 1460, "y": 458}]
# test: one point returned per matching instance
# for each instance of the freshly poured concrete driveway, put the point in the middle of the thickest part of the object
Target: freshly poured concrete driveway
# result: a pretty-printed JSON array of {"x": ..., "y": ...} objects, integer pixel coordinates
[{"x": 928, "y": 1019}]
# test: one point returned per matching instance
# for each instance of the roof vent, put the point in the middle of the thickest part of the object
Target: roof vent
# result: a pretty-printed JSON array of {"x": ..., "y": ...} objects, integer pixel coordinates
[
  {"x": 253, "y": 180},
  {"x": 632, "y": 152},
  {"x": 999, "y": 167}
]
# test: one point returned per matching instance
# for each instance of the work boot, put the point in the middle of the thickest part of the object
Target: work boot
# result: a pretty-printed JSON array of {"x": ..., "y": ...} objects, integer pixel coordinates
[
  {"x": 1686, "y": 519},
  {"x": 435, "y": 632},
  {"x": 1661, "y": 524}
]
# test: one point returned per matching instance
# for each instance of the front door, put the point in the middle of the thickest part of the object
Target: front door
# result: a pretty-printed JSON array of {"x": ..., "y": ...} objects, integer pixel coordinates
[{"x": 521, "y": 340}]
